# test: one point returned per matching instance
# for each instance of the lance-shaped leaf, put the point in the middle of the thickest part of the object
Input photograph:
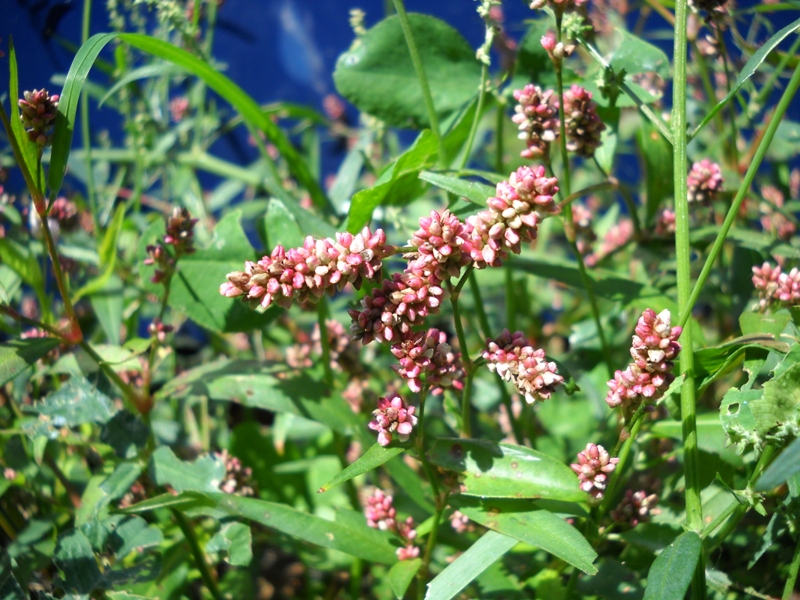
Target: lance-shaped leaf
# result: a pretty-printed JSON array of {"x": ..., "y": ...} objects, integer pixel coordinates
[
  {"x": 493, "y": 470},
  {"x": 671, "y": 572},
  {"x": 350, "y": 538},
  {"x": 541, "y": 528},
  {"x": 18, "y": 355},
  {"x": 372, "y": 459}
]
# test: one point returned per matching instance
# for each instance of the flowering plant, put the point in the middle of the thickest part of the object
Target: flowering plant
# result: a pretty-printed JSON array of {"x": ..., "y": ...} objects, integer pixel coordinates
[{"x": 498, "y": 361}]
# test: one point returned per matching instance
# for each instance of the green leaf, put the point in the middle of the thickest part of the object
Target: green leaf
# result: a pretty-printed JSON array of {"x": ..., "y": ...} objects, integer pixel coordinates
[
  {"x": 11, "y": 590},
  {"x": 532, "y": 60},
  {"x": 372, "y": 459},
  {"x": 75, "y": 403},
  {"x": 781, "y": 469},
  {"x": 360, "y": 541},
  {"x": 777, "y": 412},
  {"x": 248, "y": 108},
  {"x": 134, "y": 533},
  {"x": 637, "y": 56},
  {"x": 68, "y": 107},
  {"x": 422, "y": 154},
  {"x": 671, "y": 572},
  {"x": 107, "y": 251},
  {"x": 18, "y": 355},
  {"x": 281, "y": 226},
  {"x": 236, "y": 541},
  {"x": 480, "y": 556},
  {"x": 710, "y": 436},
  {"x": 539, "y": 527},
  {"x": 75, "y": 559},
  {"x": 657, "y": 154},
  {"x": 144, "y": 72},
  {"x": 402, "y": 574},
  {"x": 108, "y": 304},
  {"x": 22, "y": 261},
  {"x": 26, "y": 147},
  {"x": 203, "y": 475},
  {"x": 195, "y": 286},
  {"x": 606, "y": 284},
  {"x": 750, "y": 67},
  {"x": 125, "y": 433},
  {"x": 471, "y": 190},
  {"x": 376, "y": 74},
  {"x": 493, "y": 470}
]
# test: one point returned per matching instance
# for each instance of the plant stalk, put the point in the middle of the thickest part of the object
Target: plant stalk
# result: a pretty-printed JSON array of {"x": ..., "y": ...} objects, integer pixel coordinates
[
  {"x": 772, "y": 127},
  {"x": 197, "y": 552},
  {"x": 788, "y": 590},
  {"x": 416, "y": 59}
]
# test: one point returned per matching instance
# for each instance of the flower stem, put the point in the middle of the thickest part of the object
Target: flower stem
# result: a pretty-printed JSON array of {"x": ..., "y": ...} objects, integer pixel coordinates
[
  {"x": 694, "y": 507},
  {"x": 466, "y": 426},
  {"x": 143, "y": 405},
  {"x": 322, "y": 316},
  {"x": 473, "y": 130},
  {"x": 623, "y": 457},
  {"x": 788, "y": 589},
  {"x": 199, "y": 555},
  {"x": 416, "y": 59},
  {"x": 733, "y": 211},
  {"x": 569, "y": 225}
]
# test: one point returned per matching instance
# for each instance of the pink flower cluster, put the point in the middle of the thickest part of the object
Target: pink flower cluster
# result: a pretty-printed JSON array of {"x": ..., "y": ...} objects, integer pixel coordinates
[
  {"x": 393, "y": 416},
  {"x": 516, "y": 361},
  {"x": 614, "y": 239},
  {"x": 593, "y": 468},
  {"x": 776, "y": 287},
  {"x": 238, "y": 478},
  {"x": 513, "y": 216},
  {"x": 704, "y": 181},
  {"x": 655, "y": 345},
  {"x": 583, "y": 125},
  {"x": 536, "y": 116},
  {"x": 38, "y": 113},
  {"x": 307, "y": 273},
  {"x": 180, "y": 235},
  {"x": 381, "y": 514},
  {"x": 635, "y": 508},
  {"x": 444, "y": 245},
  {"x": 428, "y": 354}
]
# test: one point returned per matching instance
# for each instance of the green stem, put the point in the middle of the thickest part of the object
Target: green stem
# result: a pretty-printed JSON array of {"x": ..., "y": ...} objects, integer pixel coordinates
[
  {"x": 75, "y": 334},
  {"x": 694, "y": 507},
  {"x": 623, "y": 458},
  {"x": 199, "y": 555},
  {"x": 733, "y": 211},
  {"x": 487, "y": 333},
  {"x": 416, "y": 59},
  {"x": 788, "y": 589},
  {"x": 85, "y": 126},
  {"x": 466, "y": 425},
  {"x": 499, "y": 124},
  {"x": 569, "y": 226},
  {"x": 143, "y": 405},
  {"x": 644, "y": 108},
  {"x": 473, "y": 130},
  {"x": 426, "y": 560},
  {"x": 322, "y": 317},
  {"x": 712, "y": 527}
]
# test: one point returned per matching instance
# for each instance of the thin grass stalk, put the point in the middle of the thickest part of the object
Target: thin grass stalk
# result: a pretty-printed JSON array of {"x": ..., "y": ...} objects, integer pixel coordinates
[
  {"x": 694, "y": 507},
  {"x": 733, "y": 211},
  {"x": 416, "y": 59},
  {"x": 198, "y": 554}
]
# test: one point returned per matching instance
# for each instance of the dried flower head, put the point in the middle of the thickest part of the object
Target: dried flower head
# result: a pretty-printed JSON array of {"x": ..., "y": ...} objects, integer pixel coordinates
[
  {"x": 635, "y": 508},
  {"x": 583, "y": 125},
  {"x": 307, "y": 273},
  {"x": 704, "y": 181},
  {"x": 238, "y": 478},
  {"x": 390, "y": 312},
  {"x": 180, "y": 231},
  {"x": 443, "y": 246},
  {"x": 593, "y": 468},
  {"x": 513, "y": 358},
  {"x": 427, "y": 354},
  {"x": 655, "y": 345},
  {"x": 38, "y": 113},
  {"x": 393, "y": 416},
  {"x": 536, "y": 116}
]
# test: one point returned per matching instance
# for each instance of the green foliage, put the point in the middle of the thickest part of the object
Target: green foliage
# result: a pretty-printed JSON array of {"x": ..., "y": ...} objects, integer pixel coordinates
[
  {"x": 377, "y": 74},
  {"x": 163, "y": 440}
]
